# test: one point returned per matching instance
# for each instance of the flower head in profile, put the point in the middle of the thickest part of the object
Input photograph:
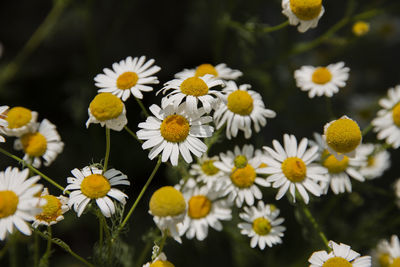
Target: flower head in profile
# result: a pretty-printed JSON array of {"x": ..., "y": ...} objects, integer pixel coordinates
[
  {"x": 3, "y": 122},
  {"x": 129, "y": 76},
  {"x": 19, "y": 120},
  {"x": 159, "y": 261},
  {"x": 220, "y": 71},
  {"x": 304, "y": 12},
  {"x": 387, "y": 254}
]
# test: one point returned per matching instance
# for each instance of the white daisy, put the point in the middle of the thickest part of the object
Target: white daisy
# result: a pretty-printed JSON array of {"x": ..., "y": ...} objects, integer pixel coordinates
[
  {"x": 207, "y": 173},
  {"x": 3, "y": 122},
  {"x": 241, "y": 175},
  {"x": 307, "y": 13},
  {"x": 192, "y": 90},
  {"x": 174, "y": 131},
  {"x": 262, "y": 225},
  {"x": 220, "y": 71},
  {"x": 291, "y": 168},
  {"x": 205, "y": 208},
  {"x": 107, "y": 110},
  {"x": 45, "y": 143},
  {"x": 387, "y": 254},
  {"x": 387, "y": 123},
  {"x": 241, "y": 107},
  {"x": 378, "y": 160},
  {"x": 320, "y": 81},
  {"x": 340, "y": 256},
  {"x": 18, "y": 203},
  {"x": 20, "y": 121},
  {"x": 159, "y": 261},
  {"x": 91, "y": 183},
  {"x": 129, "y": 76}
]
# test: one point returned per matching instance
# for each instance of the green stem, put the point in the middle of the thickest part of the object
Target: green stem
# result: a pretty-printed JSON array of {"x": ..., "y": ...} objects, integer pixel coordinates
[
  {"x": 367, "y": 129},
  {"x": 132, "y": 134},
  {"x": 268, "y": 29},
  {"x": 330, "y": 108},
  {"x": 142, "y": 107},
  {"x": 100, "y": 234},
  {"x": 162, "y": 243},
  {"x": 107, "y": 149},
  {"x": 14, "y": 250},
  {"x": 143, "y": 254},
  {"x": 47, "y": 254},
  {"x": 214, "y": 138},
  {"x": 36, "y": 249}
]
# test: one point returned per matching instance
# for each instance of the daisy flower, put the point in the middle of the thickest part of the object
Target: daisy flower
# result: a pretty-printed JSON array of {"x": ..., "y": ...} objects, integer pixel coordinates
[
  {"x": 174, "y": 131},
  {"x": 378, "y": 160},
  {"x": 220, "y": 71},
  {"x": 168, "y": 207},
  {"x": 239, "y": 109},
  {"x": 107, "y": 110},
  {"x": 262, "y": 225},
  {"x": 192, "y": 90},
  {"x": 387, "y": 123},
  {"x": 304, "y": 12},
  {"x": 18, "y": 203},
  {"x": 129, "y": 76},
  {"x": 20, "y": 121},
  {"x": 340, "y": 256},
  {"x": 291, "y": 168},
  {"x": 241, "y": 175},
  {"x": 387, "y": 254},
  {"x": 159, "y": 261},
  {"x": 207, "y": 173},
  {"x": 52, "y": 211},
  {"x": 3, "y": 122},
  {"x": 205, "y": 208},
  {"x": 91, "y": 183},
  {"x": 320, "y": 81},
  {"x": 45, "y": 143}
]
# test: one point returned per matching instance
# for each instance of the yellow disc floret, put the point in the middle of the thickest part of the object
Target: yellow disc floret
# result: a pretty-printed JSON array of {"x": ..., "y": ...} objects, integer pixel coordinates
[
  {"x": 209, "y": 168},
  {"x": 384, "y": 260},
  {"x": 243, "y": 177},
  {"x": 204, "y": 69},
  {"x": 306, "y": 9},
  {"x": 294, "y": 169},
  {"x": 396, "y": 114},
  {"x": 34, "y": 144},
  {"x": 199, "y": 207},
  {"x": 127, "y": 80},
  {"x": 167, "y": 201},
  {"x": 395, "y": 263},
  {"x": 321, "y": 75},
  {"x": 106, "y": 106},
  {"x": 95, "y": 186},
  {"x": 160, "y": 263},
  {"x": 360, "y": 28},
  {"x": 51, "y": 210},
  {"x": 343, "y": 135},
  {"x": 335, "y": 166},
  {"x": 240, "y": 102},
  {"x": 8, "y": 203},
  {"x": 261, "y": 226},
  {"x": 18, "y": 117},
  {"x": 240, "y": 161},
  {"x": 194, "y": 86},
  {"x": 175, "y": 128},
  {"x": 337, "y": 262}
]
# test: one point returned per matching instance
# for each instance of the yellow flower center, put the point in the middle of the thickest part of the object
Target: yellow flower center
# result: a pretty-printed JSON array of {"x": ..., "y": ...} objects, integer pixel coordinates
[
  {"x": 263, "y": 165},
  {"x": 51, "y": 210},
  {"x": 335, "y": 166},
  {"x": 208, "y": 168},
  {"x": 294, "y": 169},
  {"x": 95, "y": 186},
  {"x": 370, "y": 161},
  {"x": 8, "y": 203},
  {"x": 240, "y": 161},
  {"x": 18, "y": 117},
  {"x": 34, "y": 144},
  {"x": 199, "y": 207},
  {"x": 194, "y": 86},
  {"x": 167, "y": 201},
  {"x": 204, "y": 69},
  {"x": 243, "y": 177},
  {"x": 395, "y": 263},
  {"x": 384, "y": 260},
  {"x": 161, "y": 263},
  {"x": 396, "y": 114},
  {"x": 337, "y": 262},
  {"x": 321, "y": 75},
  {"x": 240, "y": 102},
  {"x": 261, "y": 226},
  {"x": 106, "y": 106},
  {"x": 175, "y": 128},
  {"x": 272, "y": 207},
  {"x": 306, "y": 9},
  {"x": 127, "y": 80},
  {"x": 343, "y": 135},
  {"x": 360, "y": 28}
]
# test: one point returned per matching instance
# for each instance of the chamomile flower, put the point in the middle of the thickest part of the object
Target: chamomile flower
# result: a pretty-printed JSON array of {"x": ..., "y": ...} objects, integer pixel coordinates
[
  {"x": 91, "y": 183},
  {"x": 220, "y": 71},
  {"x": 3, "y": 122},
  {"x": 168, "y": 207},
  {"x": 129, "y": 76},
  {"x": 205, "y": 209},
  {"x": 241, "y": 178},
  {"x": 192, "y": 90},
  {"x": 241, "y": 108},
  {"x": 320, "y": 81},
  {"x": 378, "y": 160},
  {"x": 52, "y": 211},
  {"x": 262, "y": 225},
  {"x": 387, "y": 254},
  {"x": 45, "y": 143},
  {"x": 18, "y": 203},
  {"x": 291, "y": 168},
  {"x": 159, "y": 261},
  {"x": 360, "y": 28},
  {"x": 20, "y": 121},
  {"x": 108, "y": 110},
  {"x": 174, "y": 131},
  {"x": 207, "y": 173},
  {"x": 304, "y": 12},
  {"x": 340, "y": 256},
  {"x": 387, "y": 123}
]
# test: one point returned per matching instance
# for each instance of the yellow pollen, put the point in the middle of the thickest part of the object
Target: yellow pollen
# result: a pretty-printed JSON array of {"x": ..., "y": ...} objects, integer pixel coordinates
[
  {"x": 18, "y": 117},
  {"x": 199, "y": 207},
  {"x": 167, "y": 201},
  {"x": 161, "y": 263},
  {"x": 343, "y": 135},
  {"x": 395, "y": 263},
  {"x": 175, "y": 128},
  {"x": 208, "y": 168},
  {"x": 243, "y": 177},
  {"x": 240, "y": 102},
  {"x": 396, "y": 114},
  {"x": 335, "y": 166},
  {"x": 95, "y": 186},
  {"x": 384, "y": 260},
  {"x": 194, "y": 86},
  {"x": 204, "y": 69},
  {"x": 51, "y": 210},
  {"x": 8, "y": 203},
  {"x": 294, "y": 169},
  {"x": 306, "y": 9},
  {"x": 127, "y": 80},
  {"x": 321, "y": 75},
  {"x": 370, "y": 161},
  {"x": 34, "y": 144},
  {"x": 360, "y": 28},
  {"x": 337, "y": 262},
  {"x": 261, "y": 226},
  {"x": 240, "y": 161},
  {"x": 106, "y": 106}
]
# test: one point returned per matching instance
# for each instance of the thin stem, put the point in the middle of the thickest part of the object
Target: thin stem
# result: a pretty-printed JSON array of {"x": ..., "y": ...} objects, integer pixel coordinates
[
  {"x": 36, "y": 249},
  {"x": 107, "y": 149},
  {"x": 144, "y": 253},
  {"x": 367, "y": 129},
  {"x": 142, "y": 107},
  {"x": 268, "y": 29},
  {"x": 162, "y": 243},
  {"x": 14, "y": 250},
  {"x": 214, "y": 138},
  {"x": 101, "y": 234},
  {"x": 46, "y": 255},
  {"x": 132, "y": 134},
  {"x": 330, "y": 108}
]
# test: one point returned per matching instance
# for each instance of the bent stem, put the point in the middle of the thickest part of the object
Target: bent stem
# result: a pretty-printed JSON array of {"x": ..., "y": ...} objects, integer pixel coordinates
[
  {"x": 142, "y": 107},
  {"x": 269, "y": 29},
  {"x": 132, "y": 134},
  {"x": 107, "y": 149}
]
